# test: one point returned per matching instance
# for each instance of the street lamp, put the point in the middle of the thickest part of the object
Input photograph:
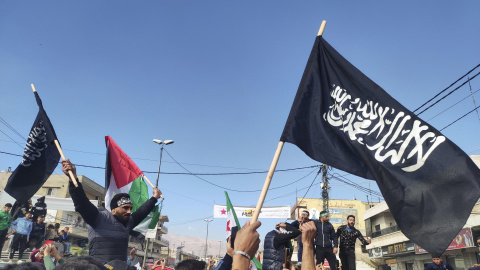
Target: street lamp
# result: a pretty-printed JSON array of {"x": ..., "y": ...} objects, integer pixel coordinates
[
  {"x": 156, "y": 185},
  {"x": 166, "y": 142},
  {"x": 206, "y": 238},
  {"x": 219, "y": 248}
]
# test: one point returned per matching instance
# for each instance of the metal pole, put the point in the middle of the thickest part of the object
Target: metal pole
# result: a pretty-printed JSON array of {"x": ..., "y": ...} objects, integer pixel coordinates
[
  {"x": 145, "y": 256},
  {"x": 206, "y": 238},
  {"x": 156, "y": 186},
  {"x": 325, "y": 188},
  {"x": 159, "y": 164}
]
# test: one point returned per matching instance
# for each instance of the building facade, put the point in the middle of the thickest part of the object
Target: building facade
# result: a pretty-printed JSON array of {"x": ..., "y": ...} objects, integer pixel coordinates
[
  {"x": 338, "y": 210},
  {"x": 390, "y": 246},
  {"x": 56, "y": 187}
]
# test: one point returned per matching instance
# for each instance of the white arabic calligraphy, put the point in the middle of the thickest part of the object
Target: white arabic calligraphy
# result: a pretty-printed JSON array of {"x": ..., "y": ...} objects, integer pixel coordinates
[
  {"x": 35, "y": 145},
  {"x": 359, "y": 120}
]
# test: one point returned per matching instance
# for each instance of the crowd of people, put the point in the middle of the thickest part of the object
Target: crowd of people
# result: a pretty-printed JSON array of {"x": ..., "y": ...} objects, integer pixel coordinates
[
  {"x": 24, "y": 227},
  {"x": 108, "y": 233}
]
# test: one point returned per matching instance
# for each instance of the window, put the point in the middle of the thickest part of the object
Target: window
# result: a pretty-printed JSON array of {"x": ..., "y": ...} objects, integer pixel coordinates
[
  {"x": 51, "y": 191},
  {"x": 377, "y": 227},
  {"x": 69, "y": 219}
]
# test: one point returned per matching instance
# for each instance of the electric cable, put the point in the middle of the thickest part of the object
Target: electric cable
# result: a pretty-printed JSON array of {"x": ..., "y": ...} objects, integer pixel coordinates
[
  {"x": 11, "y": 128},
  {"x": 180, "y": 173},
  {"x": 446, "y": 88},
  {"x": 452, "y": 106},
  {"x": 449, "y": 93},
  {"x": 460, "y": 118},
  {"x": 11, "y": 139},
  {"x": 213, "y": 184}
]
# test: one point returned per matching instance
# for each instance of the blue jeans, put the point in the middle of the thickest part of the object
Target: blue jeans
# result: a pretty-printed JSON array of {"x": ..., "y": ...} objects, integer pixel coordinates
[{"x": 69, "y": 245}]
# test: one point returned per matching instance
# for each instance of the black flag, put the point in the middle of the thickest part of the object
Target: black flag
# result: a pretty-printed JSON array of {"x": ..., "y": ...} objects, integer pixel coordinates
[
  {"x": 342, "y": 118},
  {"x": 40, "y": 158}
]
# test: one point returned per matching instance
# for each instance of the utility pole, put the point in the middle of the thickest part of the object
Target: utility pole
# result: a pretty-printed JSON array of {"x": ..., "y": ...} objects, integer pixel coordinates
[{"x": 325, "y": 187}]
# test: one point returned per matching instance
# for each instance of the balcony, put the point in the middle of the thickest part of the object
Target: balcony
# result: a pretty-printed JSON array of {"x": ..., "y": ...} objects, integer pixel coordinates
[
  {"x": 164, "y": 228},
  {"x": 385, "y": 231},
  {"x": 161, "y": 241}
]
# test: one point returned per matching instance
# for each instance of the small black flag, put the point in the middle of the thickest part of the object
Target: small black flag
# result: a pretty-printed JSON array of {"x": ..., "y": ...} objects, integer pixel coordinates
[
  {"x": 40, "y": 158},
  {"x": 342, "y": 118}
]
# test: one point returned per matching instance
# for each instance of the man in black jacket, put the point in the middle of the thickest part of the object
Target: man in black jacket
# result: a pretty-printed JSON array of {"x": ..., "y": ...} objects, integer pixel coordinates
[
  {"x": 108, "y": 231},
  {"x": 40, "y": 208},
  {"x": 38, "y": 233},
  {"x": 326, "y": 241},
  {"x": 348, "y": 236},
  {"x": 275, "y": 243}
]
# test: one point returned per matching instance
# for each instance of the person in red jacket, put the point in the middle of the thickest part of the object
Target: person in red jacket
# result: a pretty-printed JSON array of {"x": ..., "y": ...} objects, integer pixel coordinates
[{"x": 37, "y": 255}]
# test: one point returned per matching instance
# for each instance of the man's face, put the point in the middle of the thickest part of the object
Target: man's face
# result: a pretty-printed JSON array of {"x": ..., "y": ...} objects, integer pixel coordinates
[
  {"x": 28, "y": 216},
  {"x": 351, "y": 222},
  {"x": 304, "y": 217},
  {"x": 123, "y": 212},
  {"x": 6, "y": 209},
  {"x": 40, "y": 254},
  {"x": 325, "y": 218},
  {"x": 40, "y": 220},
  {"x": 437, "y": 261}
]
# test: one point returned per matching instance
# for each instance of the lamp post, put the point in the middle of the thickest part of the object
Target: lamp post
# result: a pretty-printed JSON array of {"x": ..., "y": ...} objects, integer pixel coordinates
[
  {"x": 219, "y": 248},
  {"x": 162, "y": 143},
  {"x": 206, "y": 238}
]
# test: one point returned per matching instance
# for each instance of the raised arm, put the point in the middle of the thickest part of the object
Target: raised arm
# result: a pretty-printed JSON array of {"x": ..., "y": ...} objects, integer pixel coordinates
[
  {"x": 309, "y": 232},
  {"x": 87, "y": 210},
  {"x": 143, "y": 211}
]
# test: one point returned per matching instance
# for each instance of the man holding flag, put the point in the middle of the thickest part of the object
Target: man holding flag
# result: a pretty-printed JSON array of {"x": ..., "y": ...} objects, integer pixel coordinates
[{"x": 108, "y": 231}]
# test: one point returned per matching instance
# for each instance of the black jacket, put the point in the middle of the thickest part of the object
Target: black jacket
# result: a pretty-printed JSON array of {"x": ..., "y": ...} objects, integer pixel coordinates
[
  {"x": 348, "y": 238},
  {"x": 40, "y": 209},
  {"x": 326, "y": 236},
  {"x": 108, "y": 237},
  {"x": 38, "y": 230}
]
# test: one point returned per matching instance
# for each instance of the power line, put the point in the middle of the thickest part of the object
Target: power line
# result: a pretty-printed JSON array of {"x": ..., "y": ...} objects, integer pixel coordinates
[
  {"x": 460, "y": 118},
  {"x": 355, "y": 185},
  {"x": 310, "y": 186},
  {"x": 446, "y": 88},
  {"x": 11, "y": 128},
  {"x": 180, "y": 173},
  {"x": 11, "y": 138},
  {"x": 449, "y": 93},
  {"x": 213, "y": 184},
  {"x": 452, "y": 105}
]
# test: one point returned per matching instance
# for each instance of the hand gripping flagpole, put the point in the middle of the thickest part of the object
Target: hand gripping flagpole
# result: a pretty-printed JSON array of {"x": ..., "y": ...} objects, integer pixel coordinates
[
  {"x": 145, "y": 177},
  {"x": 61, "y": 152},
  {"x": 276, "y": 157}
]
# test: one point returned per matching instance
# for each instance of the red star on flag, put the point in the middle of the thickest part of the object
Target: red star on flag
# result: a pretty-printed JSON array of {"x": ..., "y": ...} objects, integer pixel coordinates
[{"x": 223, "y": 212}]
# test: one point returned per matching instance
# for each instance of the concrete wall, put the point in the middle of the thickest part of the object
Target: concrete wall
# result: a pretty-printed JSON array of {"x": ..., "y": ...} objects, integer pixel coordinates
[{"x": 340, "y": 209}]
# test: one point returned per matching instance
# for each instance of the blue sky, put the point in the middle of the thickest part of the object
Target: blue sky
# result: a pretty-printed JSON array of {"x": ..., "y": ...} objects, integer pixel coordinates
[{"x": 218, "y": 77}]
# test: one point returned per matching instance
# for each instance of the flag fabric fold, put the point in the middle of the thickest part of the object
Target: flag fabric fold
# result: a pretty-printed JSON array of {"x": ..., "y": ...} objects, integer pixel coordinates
[
  {"x": 342, "y": 118},
  {"x": 122, "y": 175},
  {"x": 232, "y": 221},
  {"x": 40, "y": 158}
]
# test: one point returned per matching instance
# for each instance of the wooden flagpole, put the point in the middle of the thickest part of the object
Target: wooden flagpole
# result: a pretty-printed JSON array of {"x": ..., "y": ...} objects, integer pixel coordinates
[
  {"x": 145, "y": 177},
  {"x": 60, "y": 151},
  {"x": 276, "y": 157}
]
